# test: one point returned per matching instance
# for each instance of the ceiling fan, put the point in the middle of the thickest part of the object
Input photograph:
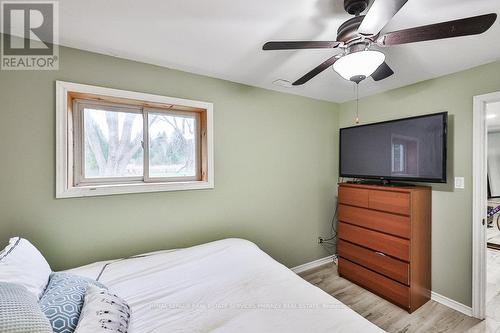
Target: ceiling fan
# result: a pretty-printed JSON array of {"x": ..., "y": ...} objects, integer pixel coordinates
[{"x": 357, "y": 36}]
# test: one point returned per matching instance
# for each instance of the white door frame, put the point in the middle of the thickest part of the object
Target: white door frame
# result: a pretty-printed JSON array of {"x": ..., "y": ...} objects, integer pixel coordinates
[{"x": 479, "y": 202}]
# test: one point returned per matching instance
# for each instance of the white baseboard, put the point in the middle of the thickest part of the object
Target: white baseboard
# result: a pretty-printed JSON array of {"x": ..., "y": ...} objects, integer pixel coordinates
[
  {"x": 312, "y": 264},
  {"x": 466, "y": 310}
]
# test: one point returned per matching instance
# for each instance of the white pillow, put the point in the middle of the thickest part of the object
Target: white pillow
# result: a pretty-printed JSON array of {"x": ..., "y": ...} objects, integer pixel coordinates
[
  {"x": 21, "y": 263},
  {"x": 103, "y": 312}
]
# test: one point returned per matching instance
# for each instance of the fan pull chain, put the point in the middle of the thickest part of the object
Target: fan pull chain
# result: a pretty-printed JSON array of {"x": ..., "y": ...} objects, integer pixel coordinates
[{"x": 357, "y": 104}]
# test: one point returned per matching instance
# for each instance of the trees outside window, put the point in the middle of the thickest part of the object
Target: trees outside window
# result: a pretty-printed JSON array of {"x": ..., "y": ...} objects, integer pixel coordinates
[{"x": 114, "y": 137}]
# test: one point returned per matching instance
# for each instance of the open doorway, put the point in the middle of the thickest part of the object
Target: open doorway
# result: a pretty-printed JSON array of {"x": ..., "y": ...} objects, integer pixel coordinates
[
  {"x": 486, "y": 210},
  {"x": 493, "y": 187},
  {"x": 492, "y": 298}
]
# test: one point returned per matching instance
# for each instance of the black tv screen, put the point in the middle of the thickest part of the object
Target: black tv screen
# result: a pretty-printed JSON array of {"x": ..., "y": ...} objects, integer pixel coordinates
[{"x": 411, "y": 149}]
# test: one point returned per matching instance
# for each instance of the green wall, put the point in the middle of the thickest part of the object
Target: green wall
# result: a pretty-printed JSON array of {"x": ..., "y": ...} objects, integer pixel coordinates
[
  {"x": 451, "y": 208},
  {"x": 275, "y": 169}
]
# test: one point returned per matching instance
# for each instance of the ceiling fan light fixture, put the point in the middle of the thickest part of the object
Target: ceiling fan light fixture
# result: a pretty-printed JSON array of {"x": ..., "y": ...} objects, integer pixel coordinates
[{"x": 357, "y": 64}]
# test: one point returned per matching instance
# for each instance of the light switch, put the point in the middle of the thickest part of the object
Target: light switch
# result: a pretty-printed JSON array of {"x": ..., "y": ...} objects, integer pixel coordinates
[{"x": 459, "y": 182}]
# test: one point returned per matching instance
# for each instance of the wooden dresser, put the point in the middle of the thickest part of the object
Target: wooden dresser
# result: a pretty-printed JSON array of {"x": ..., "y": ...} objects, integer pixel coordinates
[{"x": 385, "y": 241}]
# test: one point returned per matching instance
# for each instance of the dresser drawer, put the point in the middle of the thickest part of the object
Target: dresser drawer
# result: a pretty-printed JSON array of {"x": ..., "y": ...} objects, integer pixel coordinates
[
  {"x": 389, "y": 223},
  {"x": 353, "y": 196},
  {"x": 390, "y": 267},
  {"x": 394, "y": 202},
  {"x": 378, "y": 284},
  {"x": 387, "y": 244}
]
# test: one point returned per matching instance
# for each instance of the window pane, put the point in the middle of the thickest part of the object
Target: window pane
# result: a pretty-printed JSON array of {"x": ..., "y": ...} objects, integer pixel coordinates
[
  {"x": 172, "y": 145},
  {"x": 113, "y": 144}
]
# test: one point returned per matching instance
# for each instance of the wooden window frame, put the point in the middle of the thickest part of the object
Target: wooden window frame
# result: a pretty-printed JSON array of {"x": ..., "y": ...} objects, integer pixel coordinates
[{"x": 69, "y": 171}]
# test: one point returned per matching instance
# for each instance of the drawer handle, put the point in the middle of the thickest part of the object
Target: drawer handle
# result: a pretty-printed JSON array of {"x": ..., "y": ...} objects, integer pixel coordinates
[{"x": 380, "y": 253}]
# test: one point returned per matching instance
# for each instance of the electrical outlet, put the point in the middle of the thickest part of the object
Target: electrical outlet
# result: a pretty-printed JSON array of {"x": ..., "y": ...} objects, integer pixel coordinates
[{"x": 335, "y": 259}]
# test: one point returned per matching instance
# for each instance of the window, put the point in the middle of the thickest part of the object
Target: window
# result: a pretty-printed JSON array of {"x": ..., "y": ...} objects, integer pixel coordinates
[{"x": 112, "y": 142}]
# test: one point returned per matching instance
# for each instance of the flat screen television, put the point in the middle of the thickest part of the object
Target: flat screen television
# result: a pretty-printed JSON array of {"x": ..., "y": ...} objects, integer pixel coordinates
[{"x": 411, "y": 149}]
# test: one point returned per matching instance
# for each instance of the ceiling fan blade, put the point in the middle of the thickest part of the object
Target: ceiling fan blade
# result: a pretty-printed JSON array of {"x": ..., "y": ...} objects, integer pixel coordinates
[
  {"x": 379, "y": 14},
  {"x": 297, "y": 45},
  {"x": 457, "y": 28},
  {"x": 316, "y": 71},
  {"x": 382, "y": 72}
]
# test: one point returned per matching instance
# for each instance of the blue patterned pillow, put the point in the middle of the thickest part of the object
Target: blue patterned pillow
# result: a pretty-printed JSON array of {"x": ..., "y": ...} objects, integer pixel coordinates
[{"x": 62, "y": 301}]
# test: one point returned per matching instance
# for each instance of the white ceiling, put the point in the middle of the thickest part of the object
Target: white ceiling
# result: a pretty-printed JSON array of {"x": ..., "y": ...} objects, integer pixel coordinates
[{"x": 223, "y": 39}]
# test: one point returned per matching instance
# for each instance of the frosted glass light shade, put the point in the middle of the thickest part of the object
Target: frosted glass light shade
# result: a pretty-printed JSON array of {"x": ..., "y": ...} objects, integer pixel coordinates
[{"x": 359, "y": 63}]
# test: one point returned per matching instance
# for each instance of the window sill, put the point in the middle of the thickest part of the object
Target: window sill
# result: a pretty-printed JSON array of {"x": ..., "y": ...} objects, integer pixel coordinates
[{"x": 94, "y": 191}]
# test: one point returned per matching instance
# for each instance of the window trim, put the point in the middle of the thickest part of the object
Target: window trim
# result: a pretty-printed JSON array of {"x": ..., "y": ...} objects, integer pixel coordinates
[{"x": 67, "y": 92}]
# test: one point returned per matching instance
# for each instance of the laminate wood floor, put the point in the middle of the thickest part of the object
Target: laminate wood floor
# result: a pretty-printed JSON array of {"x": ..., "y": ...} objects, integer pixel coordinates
[{"x": 432, "y": 317}]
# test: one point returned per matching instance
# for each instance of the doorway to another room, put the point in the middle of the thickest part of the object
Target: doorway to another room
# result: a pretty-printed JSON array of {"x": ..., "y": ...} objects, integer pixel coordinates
[
  {"x": 493, "y": 212},
  {"x": 486, "y": 210}
]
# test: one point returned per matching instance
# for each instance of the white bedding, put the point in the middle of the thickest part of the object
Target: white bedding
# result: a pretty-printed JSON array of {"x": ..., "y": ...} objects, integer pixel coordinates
[{"x": 223, "y": 286}]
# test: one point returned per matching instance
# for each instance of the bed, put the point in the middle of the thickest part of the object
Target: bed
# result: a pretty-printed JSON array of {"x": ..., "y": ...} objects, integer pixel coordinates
[{"x": 224, "y": 286}]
